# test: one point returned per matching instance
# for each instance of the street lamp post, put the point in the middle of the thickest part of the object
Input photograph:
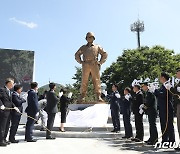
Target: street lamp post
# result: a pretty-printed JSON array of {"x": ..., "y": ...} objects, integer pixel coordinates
[{"x": 138, "y": 27}]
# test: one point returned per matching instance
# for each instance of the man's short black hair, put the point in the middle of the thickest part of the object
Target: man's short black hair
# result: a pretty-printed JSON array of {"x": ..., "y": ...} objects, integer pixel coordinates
[
  {"x": 63, "y": 90},
  {"x": 144, "y": 84},
  {"x": 52, "y": 85},
  {"x": 115, "y": 85},
  {"x": 128, "y": 89},
  {"x": 45, "y": 92},
  {"x": 34, "y": 85},
  {"x": 165, "y": 75},
  {"x": 9, "y": 80},
  {"x": 137, "y": 86},
  {"x": 17, "y": 87},
  {"x": 178, "y": 69}
]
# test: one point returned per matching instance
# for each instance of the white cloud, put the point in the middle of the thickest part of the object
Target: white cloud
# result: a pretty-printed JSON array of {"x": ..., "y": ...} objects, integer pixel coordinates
[{"x": 31, "y": 25}]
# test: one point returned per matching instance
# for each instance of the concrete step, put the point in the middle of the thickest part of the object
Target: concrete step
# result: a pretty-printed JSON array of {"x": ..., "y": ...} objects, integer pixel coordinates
[
  {"x": 81, "y": 132},
  {"x": 80, "y": 129},
  {"x": 101, "y": 134},
  {"x": 94, "y": 129},
  {"x": 85, "y": 134}
]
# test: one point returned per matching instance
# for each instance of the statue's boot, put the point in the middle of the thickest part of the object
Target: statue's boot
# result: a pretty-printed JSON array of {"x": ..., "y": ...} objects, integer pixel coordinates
[
  {"x": 81, "y": 99},
  {"x": 99, "y": 99}
]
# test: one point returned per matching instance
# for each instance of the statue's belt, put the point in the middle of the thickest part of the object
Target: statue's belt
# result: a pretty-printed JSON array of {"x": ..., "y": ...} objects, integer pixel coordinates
[{"x": 90, "y": 61}]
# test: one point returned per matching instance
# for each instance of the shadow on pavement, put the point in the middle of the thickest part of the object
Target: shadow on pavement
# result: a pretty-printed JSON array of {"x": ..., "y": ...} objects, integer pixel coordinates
[{"x": 136, "y": 147}]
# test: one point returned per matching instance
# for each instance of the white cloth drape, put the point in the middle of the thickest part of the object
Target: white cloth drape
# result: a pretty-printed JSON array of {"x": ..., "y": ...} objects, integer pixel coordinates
[{"x": 93, "y": 116}]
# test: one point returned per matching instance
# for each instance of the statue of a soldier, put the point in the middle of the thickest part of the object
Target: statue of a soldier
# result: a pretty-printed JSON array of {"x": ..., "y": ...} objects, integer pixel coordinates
[{"x": 87, "y": 55}]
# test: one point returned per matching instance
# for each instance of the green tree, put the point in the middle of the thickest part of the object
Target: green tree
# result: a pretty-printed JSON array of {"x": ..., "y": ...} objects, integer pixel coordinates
[
  {"x": 17, "y": 64},
  {"x": 46, "y": 87},
  {"x": 68, "y": 87},
  {"x": 140, "y": 63}
]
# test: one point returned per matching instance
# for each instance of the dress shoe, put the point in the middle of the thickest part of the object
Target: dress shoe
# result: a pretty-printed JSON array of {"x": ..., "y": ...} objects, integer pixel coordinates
[
  {"x": 32, "y": 140},
  {"x": 150, "y": 143},
  {"x": 136, "y": 140},
  {"x": 50, "y": 138},
  {"x": 61, "y": 130},
  {"x": 3, "y": 144},
  {"x": 115, "y": 131},
  {"x": 177, "y": 149},
  {"x": 126, "y": 137},
  {"x": 147, "y": 141},
  {"x": 7, "y": 142},
  {"x": 43, "y": 129},
  {"x": 14, "y": 141}
]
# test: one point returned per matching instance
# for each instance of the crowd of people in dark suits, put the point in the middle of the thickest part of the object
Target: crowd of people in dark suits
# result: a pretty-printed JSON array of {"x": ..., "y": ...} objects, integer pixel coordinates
[
  {"x": 138, "y": 101},
  {"x": 11, "y": 108},
  {"x": 162, "y": 102}
]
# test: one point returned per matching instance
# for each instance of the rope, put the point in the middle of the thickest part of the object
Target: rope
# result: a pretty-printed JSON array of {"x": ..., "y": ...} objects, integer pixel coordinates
[
  {"x": 87, "y": 130},
  {"x": 29, "y": 117},
  {"x": 90, "y": 129},
  {"x": 167, "y": 118},
  {"x": 174, "y": 94}
]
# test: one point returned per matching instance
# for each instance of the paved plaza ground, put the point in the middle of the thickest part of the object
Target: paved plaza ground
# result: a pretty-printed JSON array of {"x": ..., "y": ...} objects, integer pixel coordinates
[
  {"x": 76, "y": 142},
  {"x": 79, "y": 146}
]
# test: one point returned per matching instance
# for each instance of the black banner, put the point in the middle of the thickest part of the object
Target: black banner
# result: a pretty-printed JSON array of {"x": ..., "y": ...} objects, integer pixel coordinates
[{"x": 17, "y": 64}]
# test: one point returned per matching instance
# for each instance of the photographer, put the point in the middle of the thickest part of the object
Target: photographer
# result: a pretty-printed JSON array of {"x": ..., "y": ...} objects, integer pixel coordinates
[{"x": 42, "y": 113}]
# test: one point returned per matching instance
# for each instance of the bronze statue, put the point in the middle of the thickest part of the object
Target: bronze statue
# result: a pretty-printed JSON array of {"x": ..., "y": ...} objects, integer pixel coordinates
[{"x": 87, "y": 55}]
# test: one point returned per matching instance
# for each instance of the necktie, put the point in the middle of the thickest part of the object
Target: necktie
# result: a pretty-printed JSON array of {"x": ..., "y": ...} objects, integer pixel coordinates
[{"x": 9, "y": 92}]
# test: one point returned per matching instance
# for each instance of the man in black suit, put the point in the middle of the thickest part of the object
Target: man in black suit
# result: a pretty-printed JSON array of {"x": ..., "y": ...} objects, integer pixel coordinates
[
  {"x": 176, "y": 94},
  {"x": 15, "y": 116},
  {"x": 150, "y": 107},
  {"x": 115, "y": 108},
  {"x": 31, "y": 110},
  {"x": 126, "y": 112},
  {"x": 136, "y": 102},
  {"x": 51, "y": 108},
  {"x": 5, "y": 102},
  {"x": 165, "y": 106}
]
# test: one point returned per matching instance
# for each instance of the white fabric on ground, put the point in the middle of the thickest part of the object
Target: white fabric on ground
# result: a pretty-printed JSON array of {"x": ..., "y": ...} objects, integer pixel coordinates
[{"x": 93, "y": 116}]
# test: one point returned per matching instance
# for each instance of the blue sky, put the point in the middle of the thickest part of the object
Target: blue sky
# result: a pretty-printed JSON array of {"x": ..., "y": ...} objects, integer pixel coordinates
[{"x": 55, "y": 29}]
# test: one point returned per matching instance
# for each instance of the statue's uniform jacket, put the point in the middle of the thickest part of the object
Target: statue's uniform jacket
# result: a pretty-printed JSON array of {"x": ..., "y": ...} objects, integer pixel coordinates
[{"x": 88, "y": 57}]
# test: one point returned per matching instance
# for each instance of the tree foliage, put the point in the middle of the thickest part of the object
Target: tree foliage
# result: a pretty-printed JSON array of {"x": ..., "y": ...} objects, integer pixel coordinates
[
  {"x": 17, "y": 64},
  {"x": 140, "y": 63}
]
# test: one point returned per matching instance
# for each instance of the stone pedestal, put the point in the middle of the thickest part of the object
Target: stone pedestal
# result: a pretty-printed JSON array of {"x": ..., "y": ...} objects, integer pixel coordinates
[{"x": 74, "y": 107}]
